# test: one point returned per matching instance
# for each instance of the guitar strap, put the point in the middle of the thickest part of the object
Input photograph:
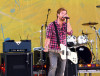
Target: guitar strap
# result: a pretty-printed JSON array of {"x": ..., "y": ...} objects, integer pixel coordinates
[{"x": 58, "y": 42}]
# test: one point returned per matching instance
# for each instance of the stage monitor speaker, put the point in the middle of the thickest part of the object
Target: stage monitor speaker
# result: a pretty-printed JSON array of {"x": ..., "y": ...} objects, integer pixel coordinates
[
  {"x": 16, "y": 64},
  {"x": 70, "y": 69}
]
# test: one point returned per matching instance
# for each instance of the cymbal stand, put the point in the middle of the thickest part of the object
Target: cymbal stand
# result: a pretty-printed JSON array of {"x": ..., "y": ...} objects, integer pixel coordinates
[
  {"x": 91, "y": 47},
  {"x": 96, "y": 47},
  {"x": 97, "y": 37}
]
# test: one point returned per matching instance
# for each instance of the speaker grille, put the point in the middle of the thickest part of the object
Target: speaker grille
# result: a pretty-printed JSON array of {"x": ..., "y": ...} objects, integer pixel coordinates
[{"x": 16, "y": 64}]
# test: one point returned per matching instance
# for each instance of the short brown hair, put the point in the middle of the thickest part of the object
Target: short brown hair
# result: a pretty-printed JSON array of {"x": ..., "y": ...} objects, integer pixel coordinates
[{"x": 60, "y": 9}]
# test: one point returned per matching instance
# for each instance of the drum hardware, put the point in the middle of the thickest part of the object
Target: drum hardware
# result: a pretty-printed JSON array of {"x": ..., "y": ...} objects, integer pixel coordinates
[
  {"x": 82, "y": 39},
  {"x": 97, "y": 37},
  {"x": 85, "y": 33},
  {"x": 71, "y": 40},
  {"x": 92, "y": 25},
  {"x": 91, "y": 47},
  {"x": 84, "y": 54}
]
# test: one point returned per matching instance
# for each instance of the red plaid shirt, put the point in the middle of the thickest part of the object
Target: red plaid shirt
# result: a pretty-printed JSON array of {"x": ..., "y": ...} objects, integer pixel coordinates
[{"x": 51, "y": 34}]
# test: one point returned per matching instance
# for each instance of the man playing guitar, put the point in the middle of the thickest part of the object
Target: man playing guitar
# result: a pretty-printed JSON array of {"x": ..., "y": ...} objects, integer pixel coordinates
[{"x": 56, "y": 35}]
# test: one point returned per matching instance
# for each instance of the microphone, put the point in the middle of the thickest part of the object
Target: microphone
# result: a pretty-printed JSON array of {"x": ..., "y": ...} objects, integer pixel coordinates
[
  {"x": 49, "y": 9},
  {"x": 66, "y": 17},
  {"x": 82, "y": 32},
  {"x": 98, "y": 6},
  {"x": 42, "y": 25}
]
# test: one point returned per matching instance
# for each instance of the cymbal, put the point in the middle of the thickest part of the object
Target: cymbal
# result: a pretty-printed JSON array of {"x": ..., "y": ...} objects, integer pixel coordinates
[
  {"x": 86, "y": 33},
  {"x": 90, "y": 23}
]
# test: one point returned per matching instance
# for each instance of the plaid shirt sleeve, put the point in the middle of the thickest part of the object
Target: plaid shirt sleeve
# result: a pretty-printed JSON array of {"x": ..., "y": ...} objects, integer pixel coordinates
[
  {"x": 49, "y": 31},
  {"x": 69, "y": 29},
  {"x": 70, "y": 33}
]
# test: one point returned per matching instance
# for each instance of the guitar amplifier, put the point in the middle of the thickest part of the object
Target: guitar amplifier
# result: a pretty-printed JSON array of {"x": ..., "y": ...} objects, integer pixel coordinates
[
  {"x": 21, "y": 46},
  {"x": 16, "y": 64}
]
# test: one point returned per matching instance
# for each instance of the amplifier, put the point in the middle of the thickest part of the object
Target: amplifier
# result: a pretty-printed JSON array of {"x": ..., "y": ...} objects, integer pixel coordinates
[
  {"x": 16, "y": 64},
  {"x": 21, "y": 46}
]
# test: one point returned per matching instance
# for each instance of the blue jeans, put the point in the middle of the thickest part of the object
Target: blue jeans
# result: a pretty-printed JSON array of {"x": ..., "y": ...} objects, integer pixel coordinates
[{"x": 57, "y": 65}]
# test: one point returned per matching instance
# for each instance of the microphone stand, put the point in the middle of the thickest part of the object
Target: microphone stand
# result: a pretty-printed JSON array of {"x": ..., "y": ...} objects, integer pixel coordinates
[
  {"x": 41, "y": 36},
  {"x": 66, "y": 48},
  {"x": 41, "y": 52},
  {"x": 47, "y": 20},
  {"x": 66, "y": 51}
]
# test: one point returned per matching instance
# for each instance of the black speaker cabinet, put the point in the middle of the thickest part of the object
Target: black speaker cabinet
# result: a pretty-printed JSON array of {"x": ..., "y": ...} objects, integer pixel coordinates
[
  {"x": 70, "y": 69},
  {"x": 16, "y": 64},
  {"x": 37, "y": 57}
]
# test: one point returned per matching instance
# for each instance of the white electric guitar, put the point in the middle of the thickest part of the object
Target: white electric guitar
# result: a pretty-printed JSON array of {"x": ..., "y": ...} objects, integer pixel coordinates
[{"x": 66, "y": 55}]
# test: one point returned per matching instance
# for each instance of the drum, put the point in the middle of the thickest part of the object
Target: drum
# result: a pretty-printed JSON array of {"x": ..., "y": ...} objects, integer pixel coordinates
[
  {"x": 71, "y": 40},
  {"x": 84, "y": 55},
  {"x": 82, "y": 39}
]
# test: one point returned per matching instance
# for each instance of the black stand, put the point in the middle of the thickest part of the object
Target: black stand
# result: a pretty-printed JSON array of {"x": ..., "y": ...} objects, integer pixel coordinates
[
  {"x": 66, "y": 69},
  {"x": 47, "y": 18},
  {"x": 41, "y": 38},
  {"x": 41, "y": 50},
  {"x": 42, "y": 54},
  {"x": 97, "y": 37},
  {"x": 71, "y": 68}
]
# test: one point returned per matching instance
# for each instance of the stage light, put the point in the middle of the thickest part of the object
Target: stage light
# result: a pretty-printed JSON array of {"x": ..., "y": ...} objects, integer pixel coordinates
[
  {"x": 88, "y": 65},
  {"x": 81, "y": 65},
  {"x": 97, "y": 65},
  {"x": 45, "y": 66}
]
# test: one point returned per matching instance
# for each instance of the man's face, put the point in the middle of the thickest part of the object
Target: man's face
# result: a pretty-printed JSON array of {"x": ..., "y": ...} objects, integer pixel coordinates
[{"x": 61, "y": 15}]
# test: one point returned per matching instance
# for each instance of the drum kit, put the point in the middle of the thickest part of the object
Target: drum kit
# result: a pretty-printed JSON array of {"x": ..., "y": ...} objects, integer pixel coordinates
[{"x": 80, "y": 45}]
